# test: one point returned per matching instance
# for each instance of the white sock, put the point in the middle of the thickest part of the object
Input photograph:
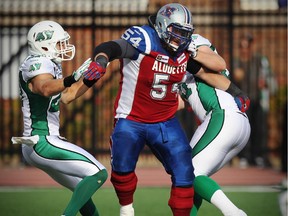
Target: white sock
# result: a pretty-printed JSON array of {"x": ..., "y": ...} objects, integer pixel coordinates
[
  {"x": 222, "y": 202},
  {"x": 127, "y": 210}
]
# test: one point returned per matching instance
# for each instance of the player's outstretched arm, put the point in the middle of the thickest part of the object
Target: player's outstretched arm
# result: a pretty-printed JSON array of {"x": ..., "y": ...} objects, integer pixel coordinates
[
  {"x": 221, "y": 82},
  {"x": 91, "y": 72},
  {"x": 45, "y": 84}
]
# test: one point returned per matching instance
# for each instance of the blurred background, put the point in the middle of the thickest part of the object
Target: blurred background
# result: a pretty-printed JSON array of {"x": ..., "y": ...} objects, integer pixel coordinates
[{"x": 88, "y": 121}]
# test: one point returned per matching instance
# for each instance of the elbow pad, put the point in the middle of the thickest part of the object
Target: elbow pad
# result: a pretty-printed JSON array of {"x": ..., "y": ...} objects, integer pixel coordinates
[{"x": 110, "y": 48}]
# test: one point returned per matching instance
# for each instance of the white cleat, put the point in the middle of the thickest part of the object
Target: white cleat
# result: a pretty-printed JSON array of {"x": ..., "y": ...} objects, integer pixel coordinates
[{"x": 127, "y": 210}]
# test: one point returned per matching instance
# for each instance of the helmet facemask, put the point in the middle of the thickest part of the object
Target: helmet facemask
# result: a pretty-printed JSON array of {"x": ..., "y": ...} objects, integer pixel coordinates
[
  {"x": 173, "y": 24},
  {"x": 177, "y": 37},
  {"x": 66, "y": 51}
]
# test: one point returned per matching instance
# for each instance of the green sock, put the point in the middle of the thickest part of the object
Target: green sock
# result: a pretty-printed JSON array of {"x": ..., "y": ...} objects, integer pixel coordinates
[
  {"x": 205, "y": 187},
  {"x": 197, "y": 203},
  {"x": 84, "y": 191},
  {"x": 89, "y": 209}
]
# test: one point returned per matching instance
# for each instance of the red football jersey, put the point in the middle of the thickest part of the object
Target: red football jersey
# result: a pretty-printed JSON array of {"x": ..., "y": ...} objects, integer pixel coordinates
[{"x": 149, "y": 82}]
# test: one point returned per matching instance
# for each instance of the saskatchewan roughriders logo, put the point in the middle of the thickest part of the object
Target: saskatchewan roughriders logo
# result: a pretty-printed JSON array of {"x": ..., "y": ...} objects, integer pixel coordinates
[{"x": 45, "y": 35}]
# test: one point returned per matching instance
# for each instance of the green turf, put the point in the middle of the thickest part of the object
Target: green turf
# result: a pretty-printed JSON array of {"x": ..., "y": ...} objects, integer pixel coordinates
[{"x": 147, "y": 202}]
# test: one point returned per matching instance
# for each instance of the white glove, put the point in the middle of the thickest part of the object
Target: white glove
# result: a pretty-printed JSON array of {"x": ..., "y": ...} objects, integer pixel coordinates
[
  {"x": 192, "y": 49},
  {"x": 79, "y": 72}
]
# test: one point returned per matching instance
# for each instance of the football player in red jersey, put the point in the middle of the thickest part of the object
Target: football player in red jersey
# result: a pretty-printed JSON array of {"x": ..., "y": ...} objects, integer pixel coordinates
[{"x": 154, "y": 59}]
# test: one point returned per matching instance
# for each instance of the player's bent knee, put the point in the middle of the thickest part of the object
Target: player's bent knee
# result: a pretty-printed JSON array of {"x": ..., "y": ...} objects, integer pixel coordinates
[{"x": 102, "y": 175}]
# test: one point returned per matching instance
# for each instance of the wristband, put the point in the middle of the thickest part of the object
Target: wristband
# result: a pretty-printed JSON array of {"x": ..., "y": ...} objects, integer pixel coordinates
[
  {"x": 89, "y": 83},
  {"x": 102, "y": 60},
  {"x": 234, "y": 90},
  {"x": 68, "y": 81}
]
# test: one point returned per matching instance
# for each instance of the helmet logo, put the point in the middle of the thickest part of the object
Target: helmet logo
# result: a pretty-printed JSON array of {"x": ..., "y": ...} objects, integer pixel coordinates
[
  {"x": 45, "y": 35},
  {"x": 168, "y": 11}
]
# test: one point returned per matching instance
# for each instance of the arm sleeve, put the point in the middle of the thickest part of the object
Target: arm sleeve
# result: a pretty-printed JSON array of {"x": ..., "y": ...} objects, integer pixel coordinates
[
  {"x": 193, "y": 66},
  {"x": 234, "y": 90},
  {"x": 115, "y": 49},
  {"x": 127, "y": 50}
]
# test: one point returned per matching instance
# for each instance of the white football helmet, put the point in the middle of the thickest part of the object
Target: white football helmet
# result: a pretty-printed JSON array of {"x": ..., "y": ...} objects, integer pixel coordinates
[
  {"x": 174, "y": 26},
  {"x": 48, "y": 38}
]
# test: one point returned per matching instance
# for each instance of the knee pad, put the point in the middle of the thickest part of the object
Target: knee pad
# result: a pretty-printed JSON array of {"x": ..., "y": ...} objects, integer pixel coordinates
[{"x": 125, "y": 186}]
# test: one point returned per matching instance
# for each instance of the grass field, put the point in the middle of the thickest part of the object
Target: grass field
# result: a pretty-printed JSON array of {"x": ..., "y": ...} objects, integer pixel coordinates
[{"x": 147, "y": 202}]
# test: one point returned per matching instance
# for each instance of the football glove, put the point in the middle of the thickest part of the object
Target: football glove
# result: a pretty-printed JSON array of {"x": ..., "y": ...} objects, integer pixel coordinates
[
  {"x": 93, "y": 74},
  {"x": 79, "y": 72},
  {"x": 95, "y": 71},
  {"x": 76, "y": 75},
  {"x": 241, "y": 99},
  {"x": 243, "y": 102},
  {"x": 192, "y": 49}
]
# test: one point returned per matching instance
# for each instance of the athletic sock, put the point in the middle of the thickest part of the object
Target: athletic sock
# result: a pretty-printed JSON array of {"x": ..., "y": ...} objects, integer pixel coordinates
[
  {"x": 209, "y": 190},
  {"x": 194, "y": 211},
  {"x": 89, "y": 209},
  {"x": 197, "y": 203},
  {"x": 181, "y": 200},
  {"x": 125, "y": 186},
  {"x": 127, "y": 210},
  {"x": 205, "y": 187},
  {"x": 222, "y": 202},
  {"x": 84, "y": 191}
]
